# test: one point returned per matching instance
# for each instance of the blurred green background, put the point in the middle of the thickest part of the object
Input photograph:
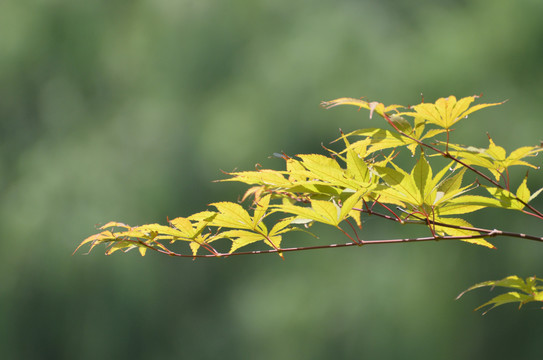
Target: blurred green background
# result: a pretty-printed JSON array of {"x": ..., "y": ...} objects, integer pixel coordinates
[{"x": 127, "y": 110}]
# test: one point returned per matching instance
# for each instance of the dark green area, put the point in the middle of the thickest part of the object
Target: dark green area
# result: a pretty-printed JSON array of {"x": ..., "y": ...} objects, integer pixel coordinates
[{"x": 127, "y": 110}]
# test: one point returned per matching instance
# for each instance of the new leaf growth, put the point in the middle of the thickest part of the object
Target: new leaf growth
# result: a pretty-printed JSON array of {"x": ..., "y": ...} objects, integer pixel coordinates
[{"x": 364, "y": 177}]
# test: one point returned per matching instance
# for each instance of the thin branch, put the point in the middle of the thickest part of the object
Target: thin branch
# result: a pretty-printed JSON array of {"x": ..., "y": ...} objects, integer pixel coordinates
[
  {"x": 361, "y": 242},
  {"x": 357, "y": 242},
  {"x": 330, "y": 246},
  {"x": 486, "y": 232}
]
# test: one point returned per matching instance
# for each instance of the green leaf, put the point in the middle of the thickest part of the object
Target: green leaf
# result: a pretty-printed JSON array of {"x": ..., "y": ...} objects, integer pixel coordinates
[
  {"x": 432, "y": 133},
  {"x": 496, "y": 152},
  {"x": 449, "y": 190},
  {"x": 356, "y": 166},
  {"x": 505, "y": 198},
  {"x": 321, "y": 211},
  {"x": 451, "y": 185},
  {"x": 377, "y": 140},
  {"x": 528, "y": 291},
  {"x": 301, "y": 212},
  {"x": 475, "y": 200},
  {"x": 114, "y": 224},
  {"x": 372, "y": 106},
  {"x": 296, "y": 170},
  {"x": 281, "y": 227},
  {"x": 326, "y": 169},
  {"x": 159, "y": 230},
  {"x": 232, "y": 215},
  {"x": 348, "y": 205},
  {"x": 422, "y": 176},
  {"x": 523, "y": 193},
  {"x": 95, "y": 239},
  {"x": 507, "y": 298},
  {"x": 465, "y": 204},
  {"x": 125, "y": 246},
  {"x": 415, "y": 188},
  {"x": 260, "y": 210},
  {"x": 494, "y": 158},
  {"x": 184, "y": 225},
  {"x": 513, "y": 281},
  {"x": 328, "y": 211},
  {"x": 401, "y": 124},
  {"x": 241, "y": 238},
  {"x": 454, "y": 231},
  {"x": 261, "y": 177},
  {"x": 447, "y": 111}
]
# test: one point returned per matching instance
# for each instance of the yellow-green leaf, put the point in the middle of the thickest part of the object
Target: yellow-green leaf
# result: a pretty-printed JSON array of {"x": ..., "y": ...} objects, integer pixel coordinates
[
  {"x": 401, "y": 185},
  {"x": 507, "y": 298},
  {"x": 326, "y": 169},
  {"x": 422, "y": 176},
  {"x": 505, "y": 198},
  {"x": 114, "y": 224},
  {"x": 523, "y": 193},
  {"x": 95, "y": 239},
  {"x": 445, "y": 112},
  {"x": 453, "y": 231},
  {"x": 160, "y": 230},
  {"x": 241, "y": 238},
  {"x": 529, "y": 291},
  {"x": 348, "y": 205},
  {"x": 356, "y": 166},
  {"x": 232, "y": 215},
  {"x": 261, "y": 177},
  {"x": 327, "y": 210},
  {"x": 377, "y": 140},
  {"x": 450, "y": 187},
  {"x": 372, "y": 106},
  {"x": 261, "y": 208}
]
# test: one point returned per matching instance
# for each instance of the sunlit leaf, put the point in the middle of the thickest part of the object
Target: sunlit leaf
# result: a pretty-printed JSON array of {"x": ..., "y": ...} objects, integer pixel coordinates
[
  {"x": 232, "y": 215},
  {"x": 445, "y": 112},
  {"x": 465, "y": 204},
  {"x": 422, "y": 176},
  {"x": 451, "y": 186},
  {"x": 377, "y": 140},
  {"x": 401, "y": 124},
  {"x": 505, "y": 199},
  {"x": 114, "y": 224},
  {"x": 123, "y": 245},
  {"x": 523, "y": 193},
  {"x": 529, "y": 291},
  {"x": 159, "y": 229},
  {"x": 507, "y": 298},
  {"x": 377, "y": 107},
  {"x": 242, "y": 238},
  {"x": 356, "y": 166},
  {"x": 142, "y": 250},
  {"x": 95, "y": 239},
  {"x": 325, "y": 212},
  {"x": 326, "y": 169},
  {"x": 454, "y": 230},
  {"x": 261, "y": 177},
  {"x": 494, "y": 158},
  {"x": 261, "y": 208},
  {"x": 496, "y": 152},
  {"x": 348, "y": 204}
]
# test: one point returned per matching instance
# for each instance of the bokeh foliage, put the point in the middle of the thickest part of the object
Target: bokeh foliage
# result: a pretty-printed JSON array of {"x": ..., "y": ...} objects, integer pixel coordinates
[{"x": 128, "y": 109}]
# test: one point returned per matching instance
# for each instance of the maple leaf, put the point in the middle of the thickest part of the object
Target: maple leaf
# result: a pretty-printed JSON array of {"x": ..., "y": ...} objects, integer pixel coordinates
[{"x": 446, "y": 112}]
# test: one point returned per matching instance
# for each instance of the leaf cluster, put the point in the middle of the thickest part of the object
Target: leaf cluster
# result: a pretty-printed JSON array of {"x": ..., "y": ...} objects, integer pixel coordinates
[
  {"x": 363, "y": 177},
  {"x": 524, "y": 291}
]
